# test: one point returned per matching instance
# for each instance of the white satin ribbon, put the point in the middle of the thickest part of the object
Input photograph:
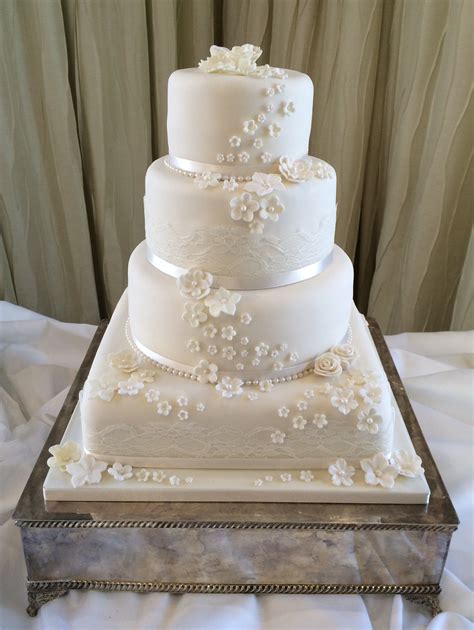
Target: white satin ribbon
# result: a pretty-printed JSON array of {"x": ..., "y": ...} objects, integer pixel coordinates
[
  {"x": 226, "y": 170},
  {"x": 236, "y": 283}
]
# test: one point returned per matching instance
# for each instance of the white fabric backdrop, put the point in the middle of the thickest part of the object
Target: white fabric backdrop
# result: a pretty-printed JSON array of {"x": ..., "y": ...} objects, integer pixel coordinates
[{"x": 38, "y": 360}]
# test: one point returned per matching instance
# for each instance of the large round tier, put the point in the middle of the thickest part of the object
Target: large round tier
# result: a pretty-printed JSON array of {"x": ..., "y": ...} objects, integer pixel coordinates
[
  {"x": 190, "y": 226},
  {"x": 216, "y": 118},
  {"x": 273, "y": 332}
]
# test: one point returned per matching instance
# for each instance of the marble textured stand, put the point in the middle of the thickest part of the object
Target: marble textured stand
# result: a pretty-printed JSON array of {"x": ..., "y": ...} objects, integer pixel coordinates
[{"x": 235, "y": 547}]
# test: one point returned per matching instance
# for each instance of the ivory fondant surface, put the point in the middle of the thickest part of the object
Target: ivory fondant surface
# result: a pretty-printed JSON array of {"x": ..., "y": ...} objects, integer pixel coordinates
[
  {"x": 193, "y": 227},
  {"x": 240, "y": 432},
  {"x": 304, "y": 319},
  {"x": 206, "y": 110}
]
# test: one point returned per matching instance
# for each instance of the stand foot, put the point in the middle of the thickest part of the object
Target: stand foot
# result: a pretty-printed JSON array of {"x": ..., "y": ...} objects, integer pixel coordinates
[
  {"x": 37, "y": 598},
  {"x": 430, "y": 601}
]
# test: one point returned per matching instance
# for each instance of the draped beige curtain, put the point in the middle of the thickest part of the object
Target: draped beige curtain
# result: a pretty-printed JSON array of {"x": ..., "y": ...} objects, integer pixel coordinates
[{"x": 83, "y": 113}]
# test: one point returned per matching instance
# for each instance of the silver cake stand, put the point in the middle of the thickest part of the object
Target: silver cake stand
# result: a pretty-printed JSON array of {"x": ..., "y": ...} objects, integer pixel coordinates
[{"x": 235, "y": 547}]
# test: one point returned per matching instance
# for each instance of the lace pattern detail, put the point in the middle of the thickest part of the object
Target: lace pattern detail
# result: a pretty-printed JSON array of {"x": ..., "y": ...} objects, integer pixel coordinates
[
  {"x": 231, "y": 250},
  {"x": 193, "y": 440}
]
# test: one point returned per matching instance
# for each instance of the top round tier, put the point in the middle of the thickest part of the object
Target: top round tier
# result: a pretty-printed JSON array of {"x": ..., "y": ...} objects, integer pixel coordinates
[{"x": 238, "y": 122}]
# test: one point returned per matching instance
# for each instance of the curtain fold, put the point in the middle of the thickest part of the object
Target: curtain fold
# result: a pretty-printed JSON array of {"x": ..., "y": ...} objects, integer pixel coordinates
[{"x": 83, "y": 112}]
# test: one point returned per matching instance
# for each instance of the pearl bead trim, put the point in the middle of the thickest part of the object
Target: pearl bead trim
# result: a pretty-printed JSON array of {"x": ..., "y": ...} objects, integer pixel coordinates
[
  {"x": 180, "y": 171},
  {"x": 248, "y": 382}
]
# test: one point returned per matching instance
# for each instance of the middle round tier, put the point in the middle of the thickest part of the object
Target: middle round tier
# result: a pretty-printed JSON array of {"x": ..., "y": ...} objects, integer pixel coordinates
[
  {"x": 188, "y": 222},
  {"x": 273, "y": 332}
]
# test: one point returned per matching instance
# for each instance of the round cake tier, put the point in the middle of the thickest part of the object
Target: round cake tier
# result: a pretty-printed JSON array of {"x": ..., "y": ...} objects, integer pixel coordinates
[
  {"x": 239, "y": 121},
  {"x": 259, "y": 334},
  {"x": 192, "y": 226}
]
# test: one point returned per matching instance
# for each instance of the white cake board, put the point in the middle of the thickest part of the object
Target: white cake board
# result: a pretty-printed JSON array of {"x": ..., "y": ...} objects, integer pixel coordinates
[{"x": 238, "y": 485}]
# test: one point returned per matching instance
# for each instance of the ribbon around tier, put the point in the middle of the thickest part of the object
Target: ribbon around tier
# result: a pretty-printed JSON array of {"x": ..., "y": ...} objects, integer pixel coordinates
[
  {"x": 242, "y": 283},
  {"x": 227, "y": 171}
]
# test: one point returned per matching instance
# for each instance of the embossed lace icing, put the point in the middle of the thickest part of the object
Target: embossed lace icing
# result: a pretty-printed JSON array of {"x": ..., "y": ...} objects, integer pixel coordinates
[
  {"x": 192, "y": 440},
  {"x": 230, "y": 250}
]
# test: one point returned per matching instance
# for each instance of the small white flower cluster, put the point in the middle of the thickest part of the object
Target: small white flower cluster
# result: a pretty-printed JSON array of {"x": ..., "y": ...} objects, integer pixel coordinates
[
  {"x": 286, "y": 477},
  {"x": 258, "y": 203}
]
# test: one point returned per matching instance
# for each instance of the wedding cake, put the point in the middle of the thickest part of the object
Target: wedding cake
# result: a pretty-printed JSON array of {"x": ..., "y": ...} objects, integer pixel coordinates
[{"x": 237, "y": 344}]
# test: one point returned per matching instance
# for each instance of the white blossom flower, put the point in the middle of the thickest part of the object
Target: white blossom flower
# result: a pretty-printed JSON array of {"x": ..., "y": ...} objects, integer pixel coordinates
[
  {"x": 194, "y": 313},
  {"x": 322, "y": 170},
  {"x": 188, "y": 480},
  {"x": 230, "y": 184},
  {"x": 266, "y": 157},
  {"x": 126, "y": 361},
  {"x": 274, "y": 353},
  {"x": 206, "y": 372},
  {"x": 235, "y": 141},
  {"x": 195, "y": 284},
  {"x": 220, "y": 157},
  {"x": 130, "y": 387},
  {"x": 286, "y": 477},
  {"x": 239, "y": 366},
  {"x": 237, "y": 60},
  {"x": 269, "y": 107},
  {"x": 256, "y": 227},
  {"x": 280, "y": 87},
  {"x": 103, "y": 387},
  {"x": 294, "y": 357},
  {"x": 252, "y": 396},
  {"x": 258, "y": 143},
  {"x": 230, "y": 157},
  {"x": 277, "y": 366},
  {"x": 410, "y": 464},
  {"x": 347, "y": 354},
  {"x": 288, "y": 108},
  {"x": 306, "y": 476},
  {"x": 343, "y": 400},
  {"x": 327, "y": 364},
  {"x": 64, "y": 454},
  {"x": 265, "y": 386},
  {"x": 309, "y": 393},
  {"x": 243, "y": 207},
  {"x": 193, "y": 345},
  {"x": 283, "y": 412},
  {"x": 295, "y": 171},
  {"x": 145, "y": 376},
  {"x": 278, "y": 437},
  {"x": 371, "y": 396},
  {"x": 158, "y": 476},
  {"x": 228, "y": 332},
  {"x": 271, "y": 208},
  {"x": 261, "y": 350},
  {"x": 183, "y": 414},
  {"x": 255, "y": 361},
  {"x": 152, "y": 395},
  {"x": 210, "y": 331},
  {"x": 281, "y": 347},
  {"x": 212, "y": 350},
  {"x": 87, "y": 470},
  {"x": 200, "y": 407},
  {"x": 142, "y": 475},
  {"x": 326, "y": 388},
  {"x": 299, "y": 422},
  {"x": 245, "y": 319},
  {"x": 244, "y": 341},
  {"x": 274, "y": 130},
  {"x": 120, "y": 472},
  {"x": 244, "y": 353},
  {"x": 341, "y": 473},
  {"x": 228, "y": 353},
  {"x": 222, "y": 301},
  {"x": 208, "y": 179},
  {"x": 250, "y": 127},
  {"x": 229, "y": 387},
  {"x": 261, "y": 118},
  {"x": 302, "y": 405},
  {"x": 270, "y": 92},
  {"x": 264, "y": 184},
  {"x": 164, "y": 408},
  {"x": 182, "y": 400},
  {"x": 244, "y": 157},
  {"x": 380, "y": 471},
  {"x": 258, "y": 482},
  {"x": 369, "y": 421},
  {"x": 268, "y": 478},
  {"x": 320, "y": 420}
]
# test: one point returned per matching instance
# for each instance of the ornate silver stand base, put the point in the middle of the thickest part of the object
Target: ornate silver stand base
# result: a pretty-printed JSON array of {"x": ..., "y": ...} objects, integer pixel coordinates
[{"x": 236, "y": 547}]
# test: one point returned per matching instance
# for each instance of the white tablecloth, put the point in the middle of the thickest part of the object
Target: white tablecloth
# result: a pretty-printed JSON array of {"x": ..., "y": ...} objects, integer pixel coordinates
[{"x": 39, "y": 358}]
